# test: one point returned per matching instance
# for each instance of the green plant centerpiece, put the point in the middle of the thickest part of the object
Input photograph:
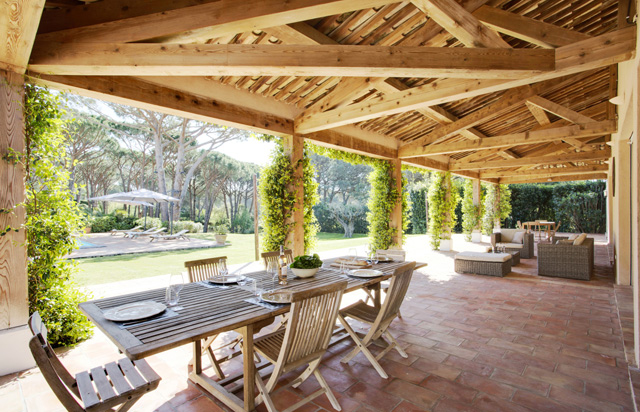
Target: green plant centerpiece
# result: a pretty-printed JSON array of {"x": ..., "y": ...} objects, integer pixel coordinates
[{"x": 306, "y": 266}]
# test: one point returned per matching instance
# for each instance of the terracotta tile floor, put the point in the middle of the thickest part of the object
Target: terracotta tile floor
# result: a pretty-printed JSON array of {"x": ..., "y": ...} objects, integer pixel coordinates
[{"x": 475, "y": 343}]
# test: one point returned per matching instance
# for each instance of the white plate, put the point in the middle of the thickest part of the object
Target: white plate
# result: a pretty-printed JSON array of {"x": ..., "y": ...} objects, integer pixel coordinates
[
  {"x": 365, "y": 273},
  {"x": 218, "y": 280},
  {"x": 275, "y": 297},
  {"x": 135, "y": 311}
]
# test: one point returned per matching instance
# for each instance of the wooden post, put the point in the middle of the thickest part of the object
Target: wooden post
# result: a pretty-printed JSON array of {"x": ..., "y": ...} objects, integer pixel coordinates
[
  {"x": 477, "y": 198},
  {"x": 256, "y": 224},
  {"x": 396, "y": 214},
  {"x": 294, "y": 148},
  {"x": 496, "y": 224}
]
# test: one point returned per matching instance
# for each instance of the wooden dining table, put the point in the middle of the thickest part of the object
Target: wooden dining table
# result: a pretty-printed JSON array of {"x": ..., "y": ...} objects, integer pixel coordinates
[
  {"x": 205, "y": 310},
  {"x": 539, "y": 225}
]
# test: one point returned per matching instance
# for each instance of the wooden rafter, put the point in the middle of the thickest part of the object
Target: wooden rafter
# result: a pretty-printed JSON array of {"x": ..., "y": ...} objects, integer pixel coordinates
[
  {"x": 586, "y": 55},
  {"x": 554, "y": 178},
  {"x": 510, "y": 140},
  {"x": 186, "y": 21},
  {"x": 460, "y": 23},
  {"x": 18, "y": 26},
  {"x": 533, "y": 31},
  {"x": 552, "y": 171},
  {"x": 139, "y": 59},
  {"x": 532, "y": 160}
]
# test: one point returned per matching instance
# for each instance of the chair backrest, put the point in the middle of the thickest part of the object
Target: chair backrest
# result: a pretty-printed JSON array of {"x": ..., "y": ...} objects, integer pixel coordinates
[
  {"x": 557, "y": 226},
  {"x": 275, "y": 256},
  {"x": 203, "y": 269},
  {"x": 520, "y": 225},
  {"x": 56, "y": 375},
  {"x": 310, "y": 326},
  {"x": 395, "y": 294},
  {"x": 182, "y": 232},
  {"x": 396, "y": 254}
]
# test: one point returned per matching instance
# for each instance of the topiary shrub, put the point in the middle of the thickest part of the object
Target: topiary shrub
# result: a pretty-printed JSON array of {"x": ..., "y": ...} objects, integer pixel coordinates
[
  {"x": 101, "y": 224},
  {"x": 151, "y": 222},
  {"x": 191, "y": 226}
]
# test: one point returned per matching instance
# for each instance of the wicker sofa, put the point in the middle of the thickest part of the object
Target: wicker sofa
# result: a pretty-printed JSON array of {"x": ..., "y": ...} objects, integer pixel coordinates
[
  {"x": 566, "y": 260},
  {"x": 505, "y": 238}
]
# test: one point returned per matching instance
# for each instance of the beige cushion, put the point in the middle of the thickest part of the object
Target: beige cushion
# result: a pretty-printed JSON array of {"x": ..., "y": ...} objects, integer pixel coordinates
[
  {"x": 573, "y": 237},
  {"x": 511, "y": 245},
  {"x": 484, "y": 257},
  {"x": 580, "y": 239},
  {"x": 518, "y": 237},
  {"x": 564, "y": 242},
  {"x": 506, "y": 235}
]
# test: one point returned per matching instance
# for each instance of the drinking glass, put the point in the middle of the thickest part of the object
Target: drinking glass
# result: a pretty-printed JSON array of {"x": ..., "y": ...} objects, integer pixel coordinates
[
  {"x": 272, "y": 270},
  {"x": 353, "y": 252},
  {"x": 374, "y": 257},
  {"x": 176, "y": 282},
  {"x": 224, "y": 272}
]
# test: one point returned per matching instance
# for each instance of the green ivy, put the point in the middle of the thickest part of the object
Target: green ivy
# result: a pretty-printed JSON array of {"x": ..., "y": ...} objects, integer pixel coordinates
[
  {"x": 52, "y": 217},
  {"x": 443, "y": 199},
  {"x": 497, "y": 206},
  {"x": 471, "y": 214},
  {"x": 278, "y": 202}
]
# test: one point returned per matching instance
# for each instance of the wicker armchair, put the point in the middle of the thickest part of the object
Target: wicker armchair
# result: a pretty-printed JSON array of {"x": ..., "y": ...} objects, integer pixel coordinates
[
  {"x": 505, "y": 237},
  {"x": 566, "y": 260}
]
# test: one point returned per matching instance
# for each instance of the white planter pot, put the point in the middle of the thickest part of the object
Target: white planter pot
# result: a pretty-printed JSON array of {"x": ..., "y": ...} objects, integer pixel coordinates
[
  {"x": 476, "y": 236},
  {"x": 445, "y": 245},
  {"x": 221, "y": 239}
]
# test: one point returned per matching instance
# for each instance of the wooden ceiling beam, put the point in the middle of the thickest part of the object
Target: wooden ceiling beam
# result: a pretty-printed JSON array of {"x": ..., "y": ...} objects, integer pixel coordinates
[
  {"x": 460, "y": 23},
  {"x": 549, "y": 179},
  {"x": 18, "y": 25},
  {"x": 601, "y": 51},
  {"x": 143, "y": 59},
  {"x": 190, "y": 21},
  {"x": 515, "y": 139},
  {"x": 533, "y": 31},
  {"x": 138, "y": 93},
  {"x": 539, "y": 114},
  {"x": 548, "y": 172},
  {"x": 529, "y": 160}
]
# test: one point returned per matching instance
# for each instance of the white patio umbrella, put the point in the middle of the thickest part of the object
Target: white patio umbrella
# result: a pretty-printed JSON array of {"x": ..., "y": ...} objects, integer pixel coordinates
[{"x": 143, "y": 196}]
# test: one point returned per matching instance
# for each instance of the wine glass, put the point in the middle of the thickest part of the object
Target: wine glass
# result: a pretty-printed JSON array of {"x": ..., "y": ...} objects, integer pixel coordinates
[
  {"x": 353, "y": 252},
  {"x": 272, "y": 270},
  {"x": 224, "y": 272},
  {"x": 176, "y": 283},
  {"x": 374, "y": 257}
]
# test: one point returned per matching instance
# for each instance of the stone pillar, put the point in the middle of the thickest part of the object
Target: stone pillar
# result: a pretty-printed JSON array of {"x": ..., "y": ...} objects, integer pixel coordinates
[
  {"x": 14, "y": 308},
  {"x": 476, "y": 234},
  {"x": 396, "y": 214},
  {"x": 294, "y": 148}
]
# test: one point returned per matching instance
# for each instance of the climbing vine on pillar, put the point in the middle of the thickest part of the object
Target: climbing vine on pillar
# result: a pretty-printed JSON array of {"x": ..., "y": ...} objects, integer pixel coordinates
[
  {"x": 443, "y": 200},
  {"x": 471, "y": 214},
  {"x": 278, "y": 202},
  {"x": 497, "y": 206}
]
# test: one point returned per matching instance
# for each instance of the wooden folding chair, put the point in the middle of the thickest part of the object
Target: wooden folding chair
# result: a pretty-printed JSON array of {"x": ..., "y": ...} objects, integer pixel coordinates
[
  {"x": 275, "y": 256},
  {"x": 201, "y": 270},
  {"x": 553, "y": 231},
  {"x": 303, "y": 342},
  {"x": 379, "y": 319},
  {"x": 116, "y": 385},
  {"x": 398, "y": 256}
]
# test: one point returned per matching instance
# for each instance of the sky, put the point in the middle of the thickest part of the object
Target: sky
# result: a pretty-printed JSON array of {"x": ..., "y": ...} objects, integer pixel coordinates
[{"x": 250, "y": 150}]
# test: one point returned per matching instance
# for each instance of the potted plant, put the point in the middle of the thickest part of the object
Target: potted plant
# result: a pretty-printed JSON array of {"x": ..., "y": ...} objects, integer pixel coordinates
[
  {"x": 306, "y": 266},
  {"x": 220, "y": 232}
]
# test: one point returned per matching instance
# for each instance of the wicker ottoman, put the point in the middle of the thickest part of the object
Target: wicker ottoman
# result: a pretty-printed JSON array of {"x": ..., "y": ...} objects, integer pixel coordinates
[
  {"x": 492, "y": 264},
  {"x": 515, "y": 257}
]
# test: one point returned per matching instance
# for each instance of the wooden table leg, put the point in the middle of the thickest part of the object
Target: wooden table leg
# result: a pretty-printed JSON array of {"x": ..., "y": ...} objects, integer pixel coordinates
[
  {"x": 249, "y": 368},
  {"x": 197, "y": 357},
  {"x": 377, "y": 295}
]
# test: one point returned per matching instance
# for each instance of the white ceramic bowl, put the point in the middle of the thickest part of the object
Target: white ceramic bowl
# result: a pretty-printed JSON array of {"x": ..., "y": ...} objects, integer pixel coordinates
[{"x": 304, "y": 273}]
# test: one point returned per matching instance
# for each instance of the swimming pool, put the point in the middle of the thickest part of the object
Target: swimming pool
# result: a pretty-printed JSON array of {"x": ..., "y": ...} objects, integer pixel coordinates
[{"x": 88, "y": 245}]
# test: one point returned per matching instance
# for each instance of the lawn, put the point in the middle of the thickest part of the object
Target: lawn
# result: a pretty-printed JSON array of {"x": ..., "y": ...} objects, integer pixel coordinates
[{"x": 93, "y": 271}]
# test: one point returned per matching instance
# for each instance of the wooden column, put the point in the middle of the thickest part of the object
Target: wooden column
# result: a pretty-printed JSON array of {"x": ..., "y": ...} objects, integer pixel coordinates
[
  {"x": 396, "y": 215},
  {"x": 294, "y": 148},
  {"x": 14, "y": 309},
  {"x": 497, "y": 223},
  {"x": 477, "y": 198}
]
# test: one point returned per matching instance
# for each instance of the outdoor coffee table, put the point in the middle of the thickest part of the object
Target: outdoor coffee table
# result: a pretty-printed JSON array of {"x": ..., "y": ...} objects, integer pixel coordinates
[
  {"x": 208, "y": 311},
  {"x": 515, "y": 257},
  {"x": 481, "y": 263}
]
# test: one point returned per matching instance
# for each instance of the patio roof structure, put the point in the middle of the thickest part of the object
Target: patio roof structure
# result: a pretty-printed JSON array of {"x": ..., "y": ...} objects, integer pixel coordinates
[{"x": 501, "y": 91}]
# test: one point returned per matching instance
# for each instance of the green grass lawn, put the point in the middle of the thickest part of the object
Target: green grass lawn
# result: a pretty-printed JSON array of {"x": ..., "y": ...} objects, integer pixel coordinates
[{"x": 93, "y": 271}]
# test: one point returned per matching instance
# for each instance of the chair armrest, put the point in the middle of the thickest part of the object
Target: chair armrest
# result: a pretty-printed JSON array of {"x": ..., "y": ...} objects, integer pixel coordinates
[{"x": 495, "y": 238}]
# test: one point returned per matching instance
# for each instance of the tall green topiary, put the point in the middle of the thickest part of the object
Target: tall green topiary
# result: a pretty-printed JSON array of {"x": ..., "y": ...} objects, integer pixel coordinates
[
  {"x": 471, "y": 214},
  {"x": 278, "y": 202},
  {"x": 497, "y": 206},
  {"x": 443, "y": 200},
  {"x": 382, "y": 201},
  {"x": 52, "y": 219}
]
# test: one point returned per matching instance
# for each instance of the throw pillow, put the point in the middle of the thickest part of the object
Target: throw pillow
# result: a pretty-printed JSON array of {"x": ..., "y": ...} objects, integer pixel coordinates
[
  {"x": 518, "y": 237},
  {"x": 573, "y": 237},
  {"x": 580, "y": 239}
]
